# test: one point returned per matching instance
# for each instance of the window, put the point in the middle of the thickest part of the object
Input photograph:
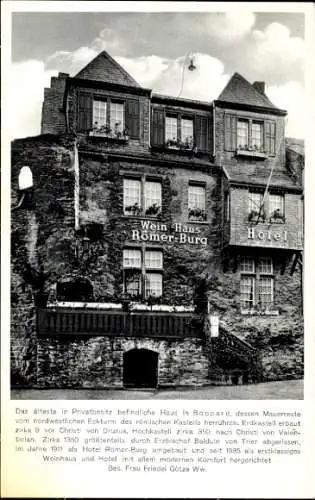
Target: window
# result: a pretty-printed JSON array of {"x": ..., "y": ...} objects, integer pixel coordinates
[
  {"x": 196, "y": 202},
  {"x": 171, "y": 128},
  {"x": 276, "y": 208},
  {"x": 108, "y": 118},
  {"x": 242, "y": 134},
  {"x": 179, "y": 132},
  {"x": 249, "y": 137},
  {"x": 143, "y": 272},
  {"x": 257, "y": 282},
  {"x": 117, "y": 117},
  {"x": 255, "y": 209},
  {"x": 273, "y": 207},
  {"x": 226, "y": 206},
  {"x": 257, "y": 136},
  {"x": 142, "y": 197},
  {"x": 187, "y": 132},
  {"x": 99, "y": 113}
]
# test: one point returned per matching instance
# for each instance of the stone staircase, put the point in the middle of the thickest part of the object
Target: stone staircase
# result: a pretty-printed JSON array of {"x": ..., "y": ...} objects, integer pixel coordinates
[{"x": 232, "y": 360}]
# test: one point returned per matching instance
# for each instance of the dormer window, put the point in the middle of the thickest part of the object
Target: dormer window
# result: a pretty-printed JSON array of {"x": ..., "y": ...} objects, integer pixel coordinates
[
  {"x": 179, "y": 132},
  {"x": 99, "y": 113},
  {"x": 248, "y": 137}
]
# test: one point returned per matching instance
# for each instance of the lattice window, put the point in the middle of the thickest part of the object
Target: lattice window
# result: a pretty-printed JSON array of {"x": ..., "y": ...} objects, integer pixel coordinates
[
  {"x": 171, "y": 128},
  {"x": 242, "y": 134},
  {"x": 257, "y": 135},
  {"x": 117, "y": 116},
  {"x": 99, "y": 113},
  {"x": 187, "y": 130}
]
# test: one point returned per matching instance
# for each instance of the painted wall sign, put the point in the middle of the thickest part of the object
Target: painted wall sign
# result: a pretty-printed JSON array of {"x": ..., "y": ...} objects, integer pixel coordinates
[
  {"x": 177, "y": 233},
  {"x": 256, "y": 234}
]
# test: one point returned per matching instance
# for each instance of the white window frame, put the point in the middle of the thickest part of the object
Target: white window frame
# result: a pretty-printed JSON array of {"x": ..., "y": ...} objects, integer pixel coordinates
[
  {"x": 113, "y": 119},
  {"x": 147, "y": 264},
  {"x": 171, "y": 128},
  {"x": 187, "y": 137},
  {"x": 257, "y": 270},
  {"x": 196, "y": 200},
  {"x": 147, "y": 200},
  {"x": 99, "y": 116}
]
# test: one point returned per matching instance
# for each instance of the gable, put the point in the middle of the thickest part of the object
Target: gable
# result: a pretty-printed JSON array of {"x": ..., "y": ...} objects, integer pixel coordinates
[
  {"x": 103, "y": 68},
  {"x": 240, "y": 91}
]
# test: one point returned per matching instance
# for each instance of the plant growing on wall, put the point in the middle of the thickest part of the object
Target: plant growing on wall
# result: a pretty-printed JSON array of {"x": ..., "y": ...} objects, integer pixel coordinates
[
  {"x": 153, "y": 210},
  {"x": 277, "y": 216},
  {"x": 134, "y": 209},
  {"x": 196, "y": 214},
  {"x": 255, "y": 215}
]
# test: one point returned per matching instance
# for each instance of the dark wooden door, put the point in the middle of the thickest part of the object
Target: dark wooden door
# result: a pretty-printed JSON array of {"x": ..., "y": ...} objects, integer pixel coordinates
[{"x": 140, "y": 368}]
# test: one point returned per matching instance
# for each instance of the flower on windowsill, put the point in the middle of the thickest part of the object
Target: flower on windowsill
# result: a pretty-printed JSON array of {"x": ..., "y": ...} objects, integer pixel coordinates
[
  {"x": 187, "y": 144},
  {"x": 277, "y": 217},
  {"x": 196, "y": 214},
  {"x": 134, "y": 209},
  {"x": 153, "y": 209},
  {"x": 108, "y": 132},
  {"x": 255, "y": 215}
]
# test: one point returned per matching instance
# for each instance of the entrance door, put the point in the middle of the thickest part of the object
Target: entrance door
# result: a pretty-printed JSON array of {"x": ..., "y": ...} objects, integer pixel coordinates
[{"x": 140, "y": 368}]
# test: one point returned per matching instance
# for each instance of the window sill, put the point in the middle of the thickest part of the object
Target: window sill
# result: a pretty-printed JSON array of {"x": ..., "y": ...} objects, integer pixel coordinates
[
  {"x": 276, "y": 221},
  {"x": 205, "y": 222},
  {"x": 150, "y": 217},
  {"x": 108, "y": 137},
  {"x": 175, "y": 150},
  {"x": 253, "y": 154},
  {"x": 255, "y": 312}
]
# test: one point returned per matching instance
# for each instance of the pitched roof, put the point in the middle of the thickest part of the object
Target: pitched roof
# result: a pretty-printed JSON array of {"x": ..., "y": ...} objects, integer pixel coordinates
[
  {"x": 240, "y": 91},
  {"x": 104, "y": 68},
  {"x": 296, "y": 145},
  {"x": 258, "y": 175}
]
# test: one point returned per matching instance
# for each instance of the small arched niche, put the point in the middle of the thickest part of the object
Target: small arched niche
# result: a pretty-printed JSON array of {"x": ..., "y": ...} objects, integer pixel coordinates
[
  {"x": 75, "y": 290},
  {"x": 25, "y": 178}
]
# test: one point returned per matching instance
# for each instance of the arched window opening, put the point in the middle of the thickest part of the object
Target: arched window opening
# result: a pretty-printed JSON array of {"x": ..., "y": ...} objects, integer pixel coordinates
[{"x": 75, "y": 290}]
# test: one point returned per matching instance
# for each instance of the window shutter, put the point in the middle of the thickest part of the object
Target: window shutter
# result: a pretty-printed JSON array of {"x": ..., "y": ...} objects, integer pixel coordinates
[
  {"x": 85, "y": 111},
  {"x": 132, "y": 118},
  {"x": 230, "y": 128},
  {"x": 157, "y": 127},
  {"x": 270, "y": 137},
  {"x": 202, "y": 133}
]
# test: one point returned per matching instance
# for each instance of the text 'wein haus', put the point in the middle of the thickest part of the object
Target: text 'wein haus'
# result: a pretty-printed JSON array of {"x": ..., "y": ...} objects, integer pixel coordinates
[{"x": 156, "y": 241}]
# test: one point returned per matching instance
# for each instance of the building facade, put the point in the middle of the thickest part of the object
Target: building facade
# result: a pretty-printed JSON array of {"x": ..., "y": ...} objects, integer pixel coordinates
[{"x": 158, "y": 241}]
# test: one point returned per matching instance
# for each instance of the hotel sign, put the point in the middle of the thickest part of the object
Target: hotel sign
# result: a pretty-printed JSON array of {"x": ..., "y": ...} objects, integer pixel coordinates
[
  {"x": 177, "y": 233},
  {"x": 261, "y": 235}
]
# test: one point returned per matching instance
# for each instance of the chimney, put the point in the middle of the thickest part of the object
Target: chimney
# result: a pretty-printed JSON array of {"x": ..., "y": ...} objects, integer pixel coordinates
[{"x": 260, "y": 86}]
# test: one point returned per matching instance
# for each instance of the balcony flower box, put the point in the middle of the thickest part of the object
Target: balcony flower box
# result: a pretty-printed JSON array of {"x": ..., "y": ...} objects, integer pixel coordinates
[
  {"x": 187, "y": 145},
  {"x": 277, "y": 217},
  {"x": 254, "y": 216},
  {"x": 196, "y": 214},
  {"x": 253, "y": 152},
  {"x": 105, "y": 132}
]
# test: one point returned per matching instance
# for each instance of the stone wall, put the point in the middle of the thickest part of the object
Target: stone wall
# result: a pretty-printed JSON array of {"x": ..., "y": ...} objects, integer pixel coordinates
[
  {"x": 42, "y": 239},
  {"x": 97, "y": 362}
]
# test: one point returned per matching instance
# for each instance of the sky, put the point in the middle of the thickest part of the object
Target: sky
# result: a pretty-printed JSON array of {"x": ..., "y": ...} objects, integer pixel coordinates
[{"x": 153, "y": 47}]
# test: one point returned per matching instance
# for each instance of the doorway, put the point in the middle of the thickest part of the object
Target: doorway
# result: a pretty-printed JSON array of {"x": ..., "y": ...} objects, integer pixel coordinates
[{"x": 140, "y": 368}]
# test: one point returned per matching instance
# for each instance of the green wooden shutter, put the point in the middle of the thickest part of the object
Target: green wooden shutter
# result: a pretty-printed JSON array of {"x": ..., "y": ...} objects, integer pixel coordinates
[
  {"x": 270, "y": 137},
  {"x": 230, "y": 131},
  {"x": 202, "y": 133},
  {"x": 157, "y": 127},
  {"x": 132, "y": 118},
  {"x": 85, "y": 111}
]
